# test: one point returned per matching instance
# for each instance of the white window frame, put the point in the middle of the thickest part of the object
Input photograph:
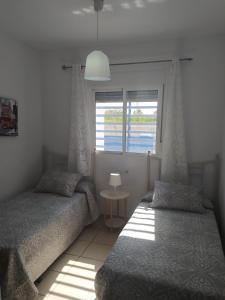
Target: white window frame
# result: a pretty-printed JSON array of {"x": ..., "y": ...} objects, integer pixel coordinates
[{"x": 124, "y": 90}]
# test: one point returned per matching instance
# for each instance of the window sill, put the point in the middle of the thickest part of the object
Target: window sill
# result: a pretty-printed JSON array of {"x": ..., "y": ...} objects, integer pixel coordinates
[{"x": 155, "y": 155}]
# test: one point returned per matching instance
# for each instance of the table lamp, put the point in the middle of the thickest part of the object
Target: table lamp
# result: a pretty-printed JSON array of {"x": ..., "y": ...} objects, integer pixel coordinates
[{"x": 115, "y": 180}]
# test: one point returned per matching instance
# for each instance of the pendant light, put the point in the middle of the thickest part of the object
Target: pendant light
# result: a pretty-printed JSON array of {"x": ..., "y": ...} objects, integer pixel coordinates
[{"x": 97, "y": 63}]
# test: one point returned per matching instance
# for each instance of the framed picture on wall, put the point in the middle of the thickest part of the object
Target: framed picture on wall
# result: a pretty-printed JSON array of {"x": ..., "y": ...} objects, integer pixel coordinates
[{"x": 8, "y": 117}]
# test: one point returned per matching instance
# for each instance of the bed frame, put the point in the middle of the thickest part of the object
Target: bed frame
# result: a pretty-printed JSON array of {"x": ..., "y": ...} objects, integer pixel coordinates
[{"x": 204, "y": 174}]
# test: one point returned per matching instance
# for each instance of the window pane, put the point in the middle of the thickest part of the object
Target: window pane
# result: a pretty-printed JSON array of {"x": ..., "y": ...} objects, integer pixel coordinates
[
  {"x": 141, "y": 121},
  {"x": 109, "y": 121}
]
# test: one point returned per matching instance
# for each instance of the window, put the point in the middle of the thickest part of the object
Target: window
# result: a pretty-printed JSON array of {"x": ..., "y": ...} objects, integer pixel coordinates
[
  {"x": 128, "y": 121},
  {"x": 109, "y": 121}
]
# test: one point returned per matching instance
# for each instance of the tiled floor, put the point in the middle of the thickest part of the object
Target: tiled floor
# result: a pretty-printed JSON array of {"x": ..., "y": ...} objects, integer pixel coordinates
[{"x": 72, "y": 276}]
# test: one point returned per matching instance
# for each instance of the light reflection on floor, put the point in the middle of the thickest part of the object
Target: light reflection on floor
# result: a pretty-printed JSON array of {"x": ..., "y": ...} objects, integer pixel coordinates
[
  {"x": 77, "y": 282},
  {"x": 72, "y": 276}
]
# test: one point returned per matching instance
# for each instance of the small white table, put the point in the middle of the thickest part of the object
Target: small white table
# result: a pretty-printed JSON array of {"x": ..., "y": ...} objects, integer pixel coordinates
[{"x": 111, "y": 196}]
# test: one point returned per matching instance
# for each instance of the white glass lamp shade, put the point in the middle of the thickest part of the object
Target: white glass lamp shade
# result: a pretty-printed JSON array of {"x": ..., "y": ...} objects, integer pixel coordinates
[
  {"x": 115, "y": 179},
  {"x": 97, "y": 66}
]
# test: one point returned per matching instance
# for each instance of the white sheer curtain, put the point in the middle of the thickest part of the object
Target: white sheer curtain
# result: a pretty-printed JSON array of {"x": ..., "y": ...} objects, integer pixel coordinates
[
  {"x": 81, "y": 143},
  {"x": 174, "y": 158}
]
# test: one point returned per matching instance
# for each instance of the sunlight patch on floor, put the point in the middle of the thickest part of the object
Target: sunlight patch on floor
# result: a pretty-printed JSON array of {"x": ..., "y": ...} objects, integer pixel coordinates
[
  {"x": 74, "y": 281},
  {"x": 83, "y": 272},
  {"x": 72, "y": 276}
]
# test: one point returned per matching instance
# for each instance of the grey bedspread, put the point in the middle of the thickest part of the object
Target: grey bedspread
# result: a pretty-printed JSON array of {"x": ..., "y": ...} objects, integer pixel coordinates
[
  {"x": 35, "y": 228},
  {"x": 164, "y": 255}
]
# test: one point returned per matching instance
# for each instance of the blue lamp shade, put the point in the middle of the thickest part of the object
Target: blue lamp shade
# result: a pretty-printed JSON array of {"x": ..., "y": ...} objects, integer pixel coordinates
[{"x": 97, "y": 67}]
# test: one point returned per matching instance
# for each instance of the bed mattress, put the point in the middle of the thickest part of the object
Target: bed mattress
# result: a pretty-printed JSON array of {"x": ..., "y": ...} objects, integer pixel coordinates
[
  {"x": 164, "y": 254},
  {"x": 35, "y": 228}
]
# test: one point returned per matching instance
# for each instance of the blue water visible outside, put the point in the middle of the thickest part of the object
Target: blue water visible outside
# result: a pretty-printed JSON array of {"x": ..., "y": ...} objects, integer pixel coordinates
[{"x": 140, "y": 144}]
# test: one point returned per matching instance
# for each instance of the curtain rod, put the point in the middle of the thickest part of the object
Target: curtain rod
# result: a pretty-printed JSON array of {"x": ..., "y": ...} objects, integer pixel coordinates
[{"x": 65, "y": 67}]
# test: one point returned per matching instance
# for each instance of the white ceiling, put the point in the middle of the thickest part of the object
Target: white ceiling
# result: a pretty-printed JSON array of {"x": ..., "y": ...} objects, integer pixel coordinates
[{"x": 51, "y": 24}]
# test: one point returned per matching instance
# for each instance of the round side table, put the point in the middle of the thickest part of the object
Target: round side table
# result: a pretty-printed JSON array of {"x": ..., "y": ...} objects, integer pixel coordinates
[{"x": 110, "y": 197}]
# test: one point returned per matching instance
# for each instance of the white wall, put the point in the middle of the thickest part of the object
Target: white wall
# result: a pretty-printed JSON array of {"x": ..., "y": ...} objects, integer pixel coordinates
[
  {"x": 203, "y": 92},
  {"x": 21, "y": 157},
  {"x": 222, "y": 189}
]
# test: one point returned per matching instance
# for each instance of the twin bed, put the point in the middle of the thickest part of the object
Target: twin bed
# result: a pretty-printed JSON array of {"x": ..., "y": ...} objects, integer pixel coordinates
[
  {"x": 35, "y": 229},
  {"x": 165, "y": 254}
]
